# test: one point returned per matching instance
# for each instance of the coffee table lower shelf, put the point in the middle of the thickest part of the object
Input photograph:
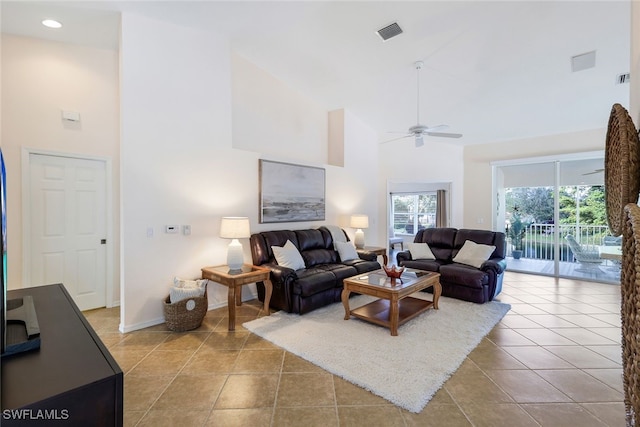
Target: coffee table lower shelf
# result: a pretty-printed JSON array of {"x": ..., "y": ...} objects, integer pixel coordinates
[{"x": 378, "y": 311}]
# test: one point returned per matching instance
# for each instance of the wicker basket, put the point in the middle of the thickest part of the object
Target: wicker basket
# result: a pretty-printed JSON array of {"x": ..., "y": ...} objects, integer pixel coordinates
[{"x": 186, "y": 314}]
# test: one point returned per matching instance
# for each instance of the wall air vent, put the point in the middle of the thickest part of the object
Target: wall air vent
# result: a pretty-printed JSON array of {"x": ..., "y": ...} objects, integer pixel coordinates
[
  {"x": 389, "y": 31},
  {"x": 623, "y": 78},
  {"x": 583, "y": 61}
]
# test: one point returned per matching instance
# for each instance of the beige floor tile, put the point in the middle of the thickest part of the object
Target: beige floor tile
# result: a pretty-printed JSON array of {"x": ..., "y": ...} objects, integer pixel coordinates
[
  {"x": 611, "y": 377},
  {"x": 550, "y": 321},
  {"x": 516, "y": 321},
  {"x": 308, "y": 416},
  {"x": 127, "y": 359},
  {"x": 611, "y": 352},
  {"x": 502, "y": 414},
  {"x": 142, "y": 340},
  {"x": 131, "y": 418},
  {"x": 183, "y": 341},
  {"x": 140, "y": 392},
  {"x": 583, "y": 336},
  {"x": 260, "y": 417},
  {"x": 157, "y": 418},
  {"x": 191, "y": 392},
  {"x": 162, "y": 362},
  {"x": 226, "y": 340},
  {"x": 255, "y": 342},
  {"x": 580, "y": 386},
  {"x": 489, "y": 356},
  {"x": 612, "y": 333},
  {"x": 293, "y": 363},
  {"x": 582, "y": 357},
  {"x": 248, "y": 391},
  {"x": 508, "y": 337},
  {"x": 262, "y": 361},
  {"x": 537, "y": 357},
  {"x": 370, "y": 416},
  {"x": 543, "y": 336},
  {"x": 437, "y": 415},
  {"x": 611, "y": 414},
  {"x": 348, "y": 394},
  {"x": 208, "y": 361},
  {"x": 470, "y": 384},
  {"x": 306, "y": 389},
  {"x": 562, "y": 415},
  {"x": 526, "y": 386}
]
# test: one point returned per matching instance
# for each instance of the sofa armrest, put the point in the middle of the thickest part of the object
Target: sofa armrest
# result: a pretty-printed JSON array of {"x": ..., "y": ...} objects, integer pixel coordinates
[
  {"x": 403, "y": 256},
  {"x": 498, "y": 265},
  {"x": 280, "y": 275},
  {"x": 366, "y": 255}
]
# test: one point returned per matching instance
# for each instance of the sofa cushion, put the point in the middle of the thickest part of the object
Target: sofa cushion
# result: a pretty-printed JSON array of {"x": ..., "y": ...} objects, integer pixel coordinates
[
  {"x": 341, "y": 271},
  {"x": 362, "y": 266},
  {"x": 420, "y": 251},
  {"x": 424, "y": 264},
  {"x": 313, "y": 280},
  {"x": 288, "y": 256},
  {"x": 463, "y": 275},
  {"x": 441, "y": 241},
  {"x": 473, "y": 254},
  {"x": 346, "y": 250}
]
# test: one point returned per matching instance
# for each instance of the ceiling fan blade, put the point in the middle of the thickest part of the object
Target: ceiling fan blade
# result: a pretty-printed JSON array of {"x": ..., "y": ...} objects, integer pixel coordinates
[
  {"x": 395, "y": 139},
  {"x": 444, "y": 134},
  {"x": 436, "y": 128}
]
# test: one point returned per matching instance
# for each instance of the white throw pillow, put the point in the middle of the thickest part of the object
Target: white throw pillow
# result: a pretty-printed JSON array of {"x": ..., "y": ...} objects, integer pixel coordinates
[
  {"x": 420, "y": 251},
  {"x": 347, "y": 251},
  {"x": 184, "y": 288},
  {"x": 288, "y": 256},
  {"x": 473, "y": 254}
]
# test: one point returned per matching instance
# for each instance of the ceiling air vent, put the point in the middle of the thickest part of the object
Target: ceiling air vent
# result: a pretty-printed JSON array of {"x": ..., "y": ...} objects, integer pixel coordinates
[
  {"x": 623, "y": 78},
  {"x": 389, "y": 31}
]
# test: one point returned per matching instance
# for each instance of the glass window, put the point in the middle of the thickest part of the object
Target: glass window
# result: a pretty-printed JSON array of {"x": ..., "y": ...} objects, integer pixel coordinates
[{"x": 413, "y": 211}]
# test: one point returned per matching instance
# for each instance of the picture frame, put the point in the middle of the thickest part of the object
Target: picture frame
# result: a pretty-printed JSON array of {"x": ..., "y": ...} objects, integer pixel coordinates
[{"x": 290, "y": 192}]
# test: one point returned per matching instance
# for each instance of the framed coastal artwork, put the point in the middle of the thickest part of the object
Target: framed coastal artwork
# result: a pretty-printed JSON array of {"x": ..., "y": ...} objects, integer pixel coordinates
[{"x": 290, "y": 193}]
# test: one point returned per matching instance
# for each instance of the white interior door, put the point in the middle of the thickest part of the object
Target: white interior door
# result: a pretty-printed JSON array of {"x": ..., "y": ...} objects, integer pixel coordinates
[{"x": 68, "y": 226}]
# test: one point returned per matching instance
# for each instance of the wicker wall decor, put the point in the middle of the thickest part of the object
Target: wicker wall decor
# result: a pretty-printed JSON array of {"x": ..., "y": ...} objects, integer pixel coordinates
[
  {"x": 622, "y": 185},
  {"x": 622, "y": 167},
  {"x": 630, "y": 313}
]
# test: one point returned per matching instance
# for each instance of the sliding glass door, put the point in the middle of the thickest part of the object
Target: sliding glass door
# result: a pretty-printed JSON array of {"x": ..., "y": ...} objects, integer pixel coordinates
[{"x": 553, "y": 212}]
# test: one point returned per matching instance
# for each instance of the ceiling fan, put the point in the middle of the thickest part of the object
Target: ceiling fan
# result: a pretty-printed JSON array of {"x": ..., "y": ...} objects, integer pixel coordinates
[{"x": 419, "y": 131}]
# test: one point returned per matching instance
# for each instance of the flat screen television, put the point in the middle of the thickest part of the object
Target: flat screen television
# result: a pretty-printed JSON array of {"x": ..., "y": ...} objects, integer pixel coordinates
[{"x": 19, "y": 329}]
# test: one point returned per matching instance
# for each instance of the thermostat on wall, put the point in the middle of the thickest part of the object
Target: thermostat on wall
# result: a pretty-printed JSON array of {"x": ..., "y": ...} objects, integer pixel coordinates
[{"x": 72, "y": 116}]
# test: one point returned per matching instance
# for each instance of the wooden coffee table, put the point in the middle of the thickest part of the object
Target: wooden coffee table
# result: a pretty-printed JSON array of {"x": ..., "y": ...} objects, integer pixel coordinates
[{"x": 395, "y": 307}]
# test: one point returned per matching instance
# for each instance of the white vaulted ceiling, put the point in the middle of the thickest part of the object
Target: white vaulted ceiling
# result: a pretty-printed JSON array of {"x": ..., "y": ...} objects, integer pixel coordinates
[{"x": 493, "y": 70}]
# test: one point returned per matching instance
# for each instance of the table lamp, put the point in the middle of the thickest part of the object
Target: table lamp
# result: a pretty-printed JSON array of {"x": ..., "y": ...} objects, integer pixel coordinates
[
  {"x": 234, "y": 228},
  {"x": 359, "y": 222}
]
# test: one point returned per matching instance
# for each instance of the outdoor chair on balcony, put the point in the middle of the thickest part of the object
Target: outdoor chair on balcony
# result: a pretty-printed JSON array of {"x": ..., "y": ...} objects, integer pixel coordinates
[
  {"x": 589, "y": 259},
  {"x": 393, "y": 240}
]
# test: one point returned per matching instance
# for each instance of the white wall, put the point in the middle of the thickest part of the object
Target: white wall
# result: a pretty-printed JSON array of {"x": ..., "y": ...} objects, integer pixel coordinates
[
  {"x": 181, "y": 163},
  {"x": 477, "y": 165},
  {"x": 39, "y": 79},
  {"x": 435, "y": 162}
]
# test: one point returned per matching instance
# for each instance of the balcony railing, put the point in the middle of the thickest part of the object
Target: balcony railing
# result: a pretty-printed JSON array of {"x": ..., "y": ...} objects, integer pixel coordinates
[{"x": 538, "y": 241}]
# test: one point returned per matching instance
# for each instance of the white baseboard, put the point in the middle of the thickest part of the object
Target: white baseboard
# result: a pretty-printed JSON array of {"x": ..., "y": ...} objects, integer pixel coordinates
[{"x": 158, "y": 321}]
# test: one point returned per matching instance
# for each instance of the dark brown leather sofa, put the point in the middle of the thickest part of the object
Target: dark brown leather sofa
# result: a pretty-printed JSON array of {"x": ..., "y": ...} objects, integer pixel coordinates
[
  {"x": 317, "y": 285},
  {"x": 461, "y": 281}
]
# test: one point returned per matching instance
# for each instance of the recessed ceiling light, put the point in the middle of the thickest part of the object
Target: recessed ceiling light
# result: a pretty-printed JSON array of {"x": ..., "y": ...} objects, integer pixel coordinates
[{"x": 51, "y": 23}]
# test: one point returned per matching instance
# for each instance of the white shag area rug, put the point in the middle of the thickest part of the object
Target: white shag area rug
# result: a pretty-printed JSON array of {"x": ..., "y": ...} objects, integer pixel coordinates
[{"x": 408, "y": 369}]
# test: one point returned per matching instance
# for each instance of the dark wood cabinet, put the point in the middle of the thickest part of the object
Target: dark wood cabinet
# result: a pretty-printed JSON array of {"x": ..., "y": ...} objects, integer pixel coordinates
[{"x": 72, "y": 379}]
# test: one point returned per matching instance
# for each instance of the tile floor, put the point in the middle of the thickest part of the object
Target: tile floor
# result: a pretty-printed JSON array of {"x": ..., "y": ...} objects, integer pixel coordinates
[{"x": 554, "y": 360}]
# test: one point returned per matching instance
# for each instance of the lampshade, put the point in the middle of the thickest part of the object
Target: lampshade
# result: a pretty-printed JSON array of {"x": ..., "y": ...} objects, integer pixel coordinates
[
  {"x": 235, "y": 227},
  {"x": 359, "y": 221}
]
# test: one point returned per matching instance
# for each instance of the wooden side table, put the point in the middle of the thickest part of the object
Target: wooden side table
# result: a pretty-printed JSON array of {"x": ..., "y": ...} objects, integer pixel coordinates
[
  {"x": 234, "y": 279},
  {"x": 378, "y": 251}
]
